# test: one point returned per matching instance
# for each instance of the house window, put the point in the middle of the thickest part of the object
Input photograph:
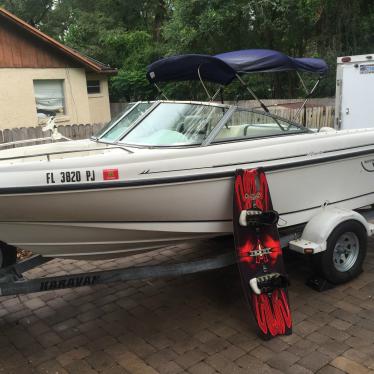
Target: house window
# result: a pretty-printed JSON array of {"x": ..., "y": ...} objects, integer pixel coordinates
[
  {"x": 49, "y": 97},
  {"x": 93, "y": 86}
]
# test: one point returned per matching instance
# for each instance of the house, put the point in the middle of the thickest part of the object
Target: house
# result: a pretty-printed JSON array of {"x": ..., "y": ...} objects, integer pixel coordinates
[{"x": 40, "y": 77}]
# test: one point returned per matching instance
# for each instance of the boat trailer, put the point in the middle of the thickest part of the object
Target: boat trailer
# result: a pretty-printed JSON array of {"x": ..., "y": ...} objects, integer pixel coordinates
[
  {"x": 310, "y": 240},
  {"x": 13, "y": 282}
]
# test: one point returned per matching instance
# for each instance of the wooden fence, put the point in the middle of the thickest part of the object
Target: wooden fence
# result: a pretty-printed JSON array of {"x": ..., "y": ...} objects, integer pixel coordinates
[
  {"x": 74, "y": 132},
  {"x": 313, "y": 116},
  {"x": 117, "y": 108},
  {"x": 319, "y": 113},
  {"x": 324, "y": 101}
]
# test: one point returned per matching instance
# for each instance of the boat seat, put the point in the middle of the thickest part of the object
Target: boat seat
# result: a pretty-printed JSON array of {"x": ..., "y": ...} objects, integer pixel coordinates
[
  {"x": 231, "y": 132},
  {"x": 248, "y": 130},
  {"x": 261, "y": 129}
]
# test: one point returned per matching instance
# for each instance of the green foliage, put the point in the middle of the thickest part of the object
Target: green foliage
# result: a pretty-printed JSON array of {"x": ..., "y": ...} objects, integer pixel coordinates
[
  {"x": 131, "y": 85},
  {"x": 208, "y": 26},
  {"x": 123, "y": 34},
  {"x": 32, "y": 11},
  {"x": 131, "y": 34}
]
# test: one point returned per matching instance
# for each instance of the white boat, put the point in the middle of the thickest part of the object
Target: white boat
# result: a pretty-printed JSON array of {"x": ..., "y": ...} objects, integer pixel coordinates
[{"x": 162, "y": 173}]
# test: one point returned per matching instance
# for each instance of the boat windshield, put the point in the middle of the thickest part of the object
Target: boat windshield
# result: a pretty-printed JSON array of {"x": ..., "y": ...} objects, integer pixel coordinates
[
  {"x": 248, "y": 124},
  {"x": 115, "y": 128},
  {"x": 175, "y": 124}
]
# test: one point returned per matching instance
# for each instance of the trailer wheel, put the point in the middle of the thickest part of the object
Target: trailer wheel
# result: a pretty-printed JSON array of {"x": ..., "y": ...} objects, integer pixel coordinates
[
  {"x": 8, "y": 255},
  {"x": 345, "y": 253}
]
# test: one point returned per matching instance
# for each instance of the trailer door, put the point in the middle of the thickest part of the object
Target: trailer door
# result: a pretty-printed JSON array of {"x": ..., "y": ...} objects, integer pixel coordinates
[{"x": 357, "y": 105}]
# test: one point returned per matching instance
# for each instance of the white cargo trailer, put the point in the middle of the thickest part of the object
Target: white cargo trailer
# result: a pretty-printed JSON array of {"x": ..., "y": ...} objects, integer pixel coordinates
[{"x": 354, "y": 105}]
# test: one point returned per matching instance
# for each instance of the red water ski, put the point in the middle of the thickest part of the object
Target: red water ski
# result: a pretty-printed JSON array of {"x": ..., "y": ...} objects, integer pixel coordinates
[{"x": 259, "y": 254}]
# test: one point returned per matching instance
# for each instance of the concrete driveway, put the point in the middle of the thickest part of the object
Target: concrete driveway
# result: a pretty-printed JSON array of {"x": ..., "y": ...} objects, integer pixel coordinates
[{"x": 195, "y": 324}]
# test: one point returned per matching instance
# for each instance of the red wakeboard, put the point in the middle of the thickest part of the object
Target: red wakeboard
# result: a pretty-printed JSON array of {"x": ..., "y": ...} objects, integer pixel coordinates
[{"x": 259, "y": 254}]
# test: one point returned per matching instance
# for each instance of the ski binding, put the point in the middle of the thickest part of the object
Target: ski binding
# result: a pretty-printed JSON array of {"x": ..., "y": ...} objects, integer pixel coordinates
[
  {"x": 267, "y": 283},
  {"x": 256, "y": 217}
]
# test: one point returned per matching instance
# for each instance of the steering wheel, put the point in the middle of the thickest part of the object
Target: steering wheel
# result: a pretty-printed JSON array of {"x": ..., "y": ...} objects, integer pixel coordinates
[
  {"x": 203, "y": 130},
  {"x": 180, "y": 128}
]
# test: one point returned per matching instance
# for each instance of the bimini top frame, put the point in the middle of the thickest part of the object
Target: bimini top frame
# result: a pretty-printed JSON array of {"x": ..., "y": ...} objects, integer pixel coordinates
[{"x": 225, "y": 67}]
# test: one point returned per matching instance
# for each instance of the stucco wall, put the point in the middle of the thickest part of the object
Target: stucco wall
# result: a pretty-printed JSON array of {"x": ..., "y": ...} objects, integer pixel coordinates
[
  {"x": 99, "y": 103},
  {"x": 17, "y": 99}
]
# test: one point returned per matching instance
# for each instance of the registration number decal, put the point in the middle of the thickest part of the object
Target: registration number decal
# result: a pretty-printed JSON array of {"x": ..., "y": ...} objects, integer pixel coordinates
[{"x": 72, "y": 176}]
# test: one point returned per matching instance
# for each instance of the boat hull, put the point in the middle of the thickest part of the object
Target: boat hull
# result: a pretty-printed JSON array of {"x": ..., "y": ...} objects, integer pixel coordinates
[{"x": 109, "y": 222}]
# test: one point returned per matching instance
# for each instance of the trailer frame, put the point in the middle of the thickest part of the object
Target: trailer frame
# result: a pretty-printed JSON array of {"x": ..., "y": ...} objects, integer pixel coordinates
[{"x": 13, "y": 281}]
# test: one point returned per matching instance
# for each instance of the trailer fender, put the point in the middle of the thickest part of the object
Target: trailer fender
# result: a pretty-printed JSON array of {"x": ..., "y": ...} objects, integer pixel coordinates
[{"x": 316, "y": 232}]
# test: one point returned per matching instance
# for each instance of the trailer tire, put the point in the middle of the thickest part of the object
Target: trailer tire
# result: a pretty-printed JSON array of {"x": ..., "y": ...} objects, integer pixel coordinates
[
  {"x": 8, "y": 255},
  {"x": 345, "y": 253}
]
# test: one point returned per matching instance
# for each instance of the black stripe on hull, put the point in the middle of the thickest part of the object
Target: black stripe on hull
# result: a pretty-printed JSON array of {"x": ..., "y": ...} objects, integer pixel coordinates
[
  {"x": 330, "y": 203},
  {"x": 177, "y": 179}
]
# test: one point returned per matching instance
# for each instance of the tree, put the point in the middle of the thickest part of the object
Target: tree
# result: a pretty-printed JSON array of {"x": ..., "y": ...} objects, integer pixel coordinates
[
  {"x": 32, "y": 11},
  {"x": 124, "y": 34},
  {"x": 131, "y": 34}
]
